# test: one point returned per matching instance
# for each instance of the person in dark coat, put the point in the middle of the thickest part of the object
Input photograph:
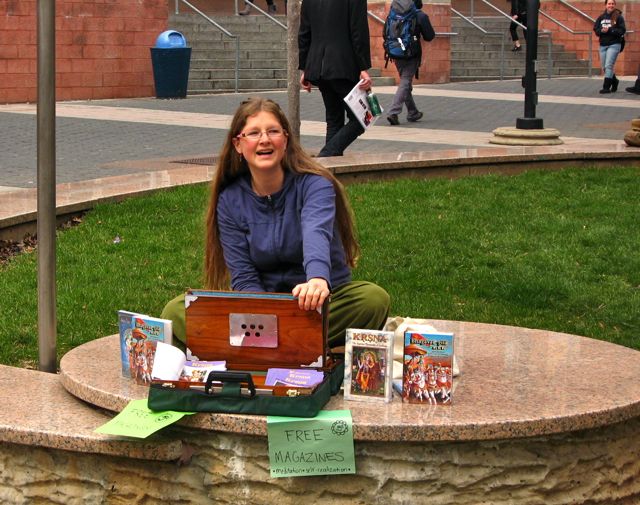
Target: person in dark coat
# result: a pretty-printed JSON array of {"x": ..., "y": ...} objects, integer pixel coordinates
[
  {"x": 333, "y": 41},
  {"x": 519, "y": 14},
  {"x": 407, "y": 69},
  {"x": 610, "y": 29},
  {"x": 635, "y": 89}
]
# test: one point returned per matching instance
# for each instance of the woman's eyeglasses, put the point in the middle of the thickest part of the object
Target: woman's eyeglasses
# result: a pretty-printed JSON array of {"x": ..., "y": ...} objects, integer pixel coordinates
[{"x": 256, "y": 135}]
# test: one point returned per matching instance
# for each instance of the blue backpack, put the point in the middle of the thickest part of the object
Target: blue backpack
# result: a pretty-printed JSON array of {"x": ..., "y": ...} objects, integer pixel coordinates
[{"x": 399, "y": 41}]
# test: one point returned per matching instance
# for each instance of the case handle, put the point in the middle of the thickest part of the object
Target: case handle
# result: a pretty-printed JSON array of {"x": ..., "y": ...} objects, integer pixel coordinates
[{"x": 226, "y": 377}]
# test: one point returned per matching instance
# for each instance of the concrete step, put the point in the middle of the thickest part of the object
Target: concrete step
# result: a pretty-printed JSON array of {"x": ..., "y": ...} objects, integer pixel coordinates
[
  {"x": 383, "y": 81},
  {"x": 196, "y": 22},
  {"x": 247, "y": 45},
  {"x": 207, "y": 63},
  {"x": 212, "y": 36},
  {"x": 254, "y": 55},
  {"x": 251, "y": 73},
  {"x": 206, "y": 85}
]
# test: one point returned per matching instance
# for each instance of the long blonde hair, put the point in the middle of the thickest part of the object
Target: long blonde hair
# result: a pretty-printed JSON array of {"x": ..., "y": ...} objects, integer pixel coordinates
[{"x": 231, "y": 166}]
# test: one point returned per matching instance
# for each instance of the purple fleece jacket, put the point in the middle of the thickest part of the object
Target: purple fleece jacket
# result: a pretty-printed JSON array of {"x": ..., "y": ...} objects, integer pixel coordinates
[{"x": 275, "y": 242}]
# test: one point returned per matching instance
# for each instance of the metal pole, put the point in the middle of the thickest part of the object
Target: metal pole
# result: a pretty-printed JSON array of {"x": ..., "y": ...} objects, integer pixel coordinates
[
  {"x": 549, "y": 61},
  {"x": 529, "y": 121},
  {"x": 46, "y": 227},
  {"x": 590, "y": 56},
  {"x": 501, "y": 58},
  {"x": 293, "y": 74}
]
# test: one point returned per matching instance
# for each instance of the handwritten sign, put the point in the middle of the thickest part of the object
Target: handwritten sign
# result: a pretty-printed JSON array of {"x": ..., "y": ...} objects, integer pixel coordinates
[
  {"x": 320, "y": 445},
  {"x": 136, "y": 420}
]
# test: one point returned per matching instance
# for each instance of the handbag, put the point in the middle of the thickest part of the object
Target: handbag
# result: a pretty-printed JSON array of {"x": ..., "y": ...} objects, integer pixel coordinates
[
  {"x": 252, "y": 332},
  {"x": 622, "y": 43},
  {"x": 235, "y": 393}
]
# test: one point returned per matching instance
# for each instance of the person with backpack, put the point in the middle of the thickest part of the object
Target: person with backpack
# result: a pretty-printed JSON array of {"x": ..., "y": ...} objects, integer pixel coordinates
[
  {"x": 334, "y": 54},
  {"x": 406, "y": 24}
]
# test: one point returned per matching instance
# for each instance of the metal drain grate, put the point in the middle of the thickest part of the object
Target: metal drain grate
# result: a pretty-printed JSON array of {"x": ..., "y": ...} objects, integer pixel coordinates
[{"x": 208, "y": 161}]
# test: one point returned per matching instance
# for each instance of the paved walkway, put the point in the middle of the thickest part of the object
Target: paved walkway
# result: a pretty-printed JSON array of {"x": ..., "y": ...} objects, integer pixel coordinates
[{"x": 118, "y": 137}]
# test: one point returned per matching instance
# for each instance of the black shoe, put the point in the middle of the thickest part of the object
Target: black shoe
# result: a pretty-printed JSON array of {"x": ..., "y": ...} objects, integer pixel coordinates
[
  {"x": 415, "y": 118},
  {"x": 516, "y": 49},
  {"x": 393, "y": 119},
  {"x": 614, "y": 83},
  {"x": 606, "y": 86},
  {"x": 272, "y": 8},
  {"x": 633, "y": 89}
]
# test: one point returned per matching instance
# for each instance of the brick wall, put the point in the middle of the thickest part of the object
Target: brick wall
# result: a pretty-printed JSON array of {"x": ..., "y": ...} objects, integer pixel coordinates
[
  {"x": 436, "y": 61},
  {"x": 102, "y": 48},
  {"x": 627, "y": 63}
]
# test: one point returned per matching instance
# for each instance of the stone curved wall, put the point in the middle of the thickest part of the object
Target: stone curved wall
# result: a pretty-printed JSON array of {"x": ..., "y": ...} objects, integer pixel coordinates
[{"x": 600, "y": 466}]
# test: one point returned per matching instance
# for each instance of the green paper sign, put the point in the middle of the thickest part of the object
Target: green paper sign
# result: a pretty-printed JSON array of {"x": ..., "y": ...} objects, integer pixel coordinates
[
  {"x": 320, "y": 445},
  {"x": 136, "y": 420}
]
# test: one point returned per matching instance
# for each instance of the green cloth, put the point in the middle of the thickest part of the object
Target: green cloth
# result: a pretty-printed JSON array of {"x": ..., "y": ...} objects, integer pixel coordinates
[{"x": 356, "y": 304}]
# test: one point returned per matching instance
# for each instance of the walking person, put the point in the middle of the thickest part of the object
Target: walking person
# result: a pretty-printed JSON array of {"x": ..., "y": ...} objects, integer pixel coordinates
[
  {"x": 271, "y": 8},
  {"x": 610, "y": 28},
  {"x": 408, "y": 68},
  {"x": 519, "y": 14},
  {"x": 635, "y": 89},
  {"x": 333, "y": 42}
]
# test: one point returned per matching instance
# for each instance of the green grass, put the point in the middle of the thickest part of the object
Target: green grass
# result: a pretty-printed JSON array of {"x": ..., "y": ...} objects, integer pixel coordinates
[{"x": 551, "y": 250}]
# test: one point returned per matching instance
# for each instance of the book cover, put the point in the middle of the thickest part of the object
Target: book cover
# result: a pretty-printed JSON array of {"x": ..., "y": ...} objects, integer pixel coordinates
[
  {"x": 428, "y": 368},
  {"x": 300, "y": 377},
  {"x": 360, "y": 106},
  {"x": 139, "y": 336},
  {"x": 171, "y": 364},
  {"x": 368, "y": 366},
  {"x": 198, "y": 371}
]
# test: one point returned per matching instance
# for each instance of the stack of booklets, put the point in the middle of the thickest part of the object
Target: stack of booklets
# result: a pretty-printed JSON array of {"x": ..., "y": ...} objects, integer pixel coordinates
[
  {"x": 171, "y": 364},
  {"x": 299, "y": 377}
]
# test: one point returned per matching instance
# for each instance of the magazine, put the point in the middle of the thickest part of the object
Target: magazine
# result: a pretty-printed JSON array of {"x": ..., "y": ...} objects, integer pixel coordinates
[
  {"x": 300, "y": 377},
  {"x": 428, "y": 368},
  {"x": 368, "y": 365},
  {"x": 359, "y": 105},
  {"x": 139, "y": 336},
  {"x": 171, "y": 364}
]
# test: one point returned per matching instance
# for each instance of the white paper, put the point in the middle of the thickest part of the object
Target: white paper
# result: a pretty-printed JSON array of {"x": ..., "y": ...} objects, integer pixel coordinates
[
  {"x": 168, "y": 362},
  {"x": 357, "y": 102}
]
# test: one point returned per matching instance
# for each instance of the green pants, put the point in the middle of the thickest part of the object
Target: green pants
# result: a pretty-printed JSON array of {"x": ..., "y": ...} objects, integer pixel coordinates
[{"x": 357, "y": 304}]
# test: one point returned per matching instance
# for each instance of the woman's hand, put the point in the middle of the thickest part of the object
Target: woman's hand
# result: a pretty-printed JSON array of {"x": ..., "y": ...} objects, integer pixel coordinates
[{"x": 311, "y": 294}]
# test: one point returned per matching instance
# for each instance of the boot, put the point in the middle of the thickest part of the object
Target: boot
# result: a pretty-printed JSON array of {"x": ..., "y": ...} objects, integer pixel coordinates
[
  {"x": 246, "y": 11},
  {"x": 635, "y": 89},
  {"x": 606, "y": 87},
  {"x": 614, "y": 83}
]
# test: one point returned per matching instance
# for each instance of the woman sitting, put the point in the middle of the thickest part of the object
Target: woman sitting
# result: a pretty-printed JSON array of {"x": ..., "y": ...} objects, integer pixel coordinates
[{"x": 280, "y": 222}]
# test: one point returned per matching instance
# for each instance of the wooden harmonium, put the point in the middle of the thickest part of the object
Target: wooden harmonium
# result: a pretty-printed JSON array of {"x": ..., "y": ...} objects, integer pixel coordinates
[{"x": 254, "y": 332}]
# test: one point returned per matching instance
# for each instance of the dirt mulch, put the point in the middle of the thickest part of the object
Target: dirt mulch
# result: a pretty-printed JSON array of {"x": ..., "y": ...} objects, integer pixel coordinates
[{"x": 9, "y": 248}]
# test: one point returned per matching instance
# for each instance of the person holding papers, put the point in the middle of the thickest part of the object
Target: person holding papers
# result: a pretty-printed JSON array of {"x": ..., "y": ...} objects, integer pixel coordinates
[
  {"x": 334, "y": 55},
  {"x": 278, "y": 221}
]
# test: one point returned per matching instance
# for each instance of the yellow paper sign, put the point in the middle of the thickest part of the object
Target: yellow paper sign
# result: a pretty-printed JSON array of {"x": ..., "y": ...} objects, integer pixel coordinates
[{"x": 136, "y": 420}]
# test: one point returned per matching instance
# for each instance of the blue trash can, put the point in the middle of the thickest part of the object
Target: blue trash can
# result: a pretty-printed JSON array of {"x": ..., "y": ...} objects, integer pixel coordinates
[{"x": 170, "y": 59}]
